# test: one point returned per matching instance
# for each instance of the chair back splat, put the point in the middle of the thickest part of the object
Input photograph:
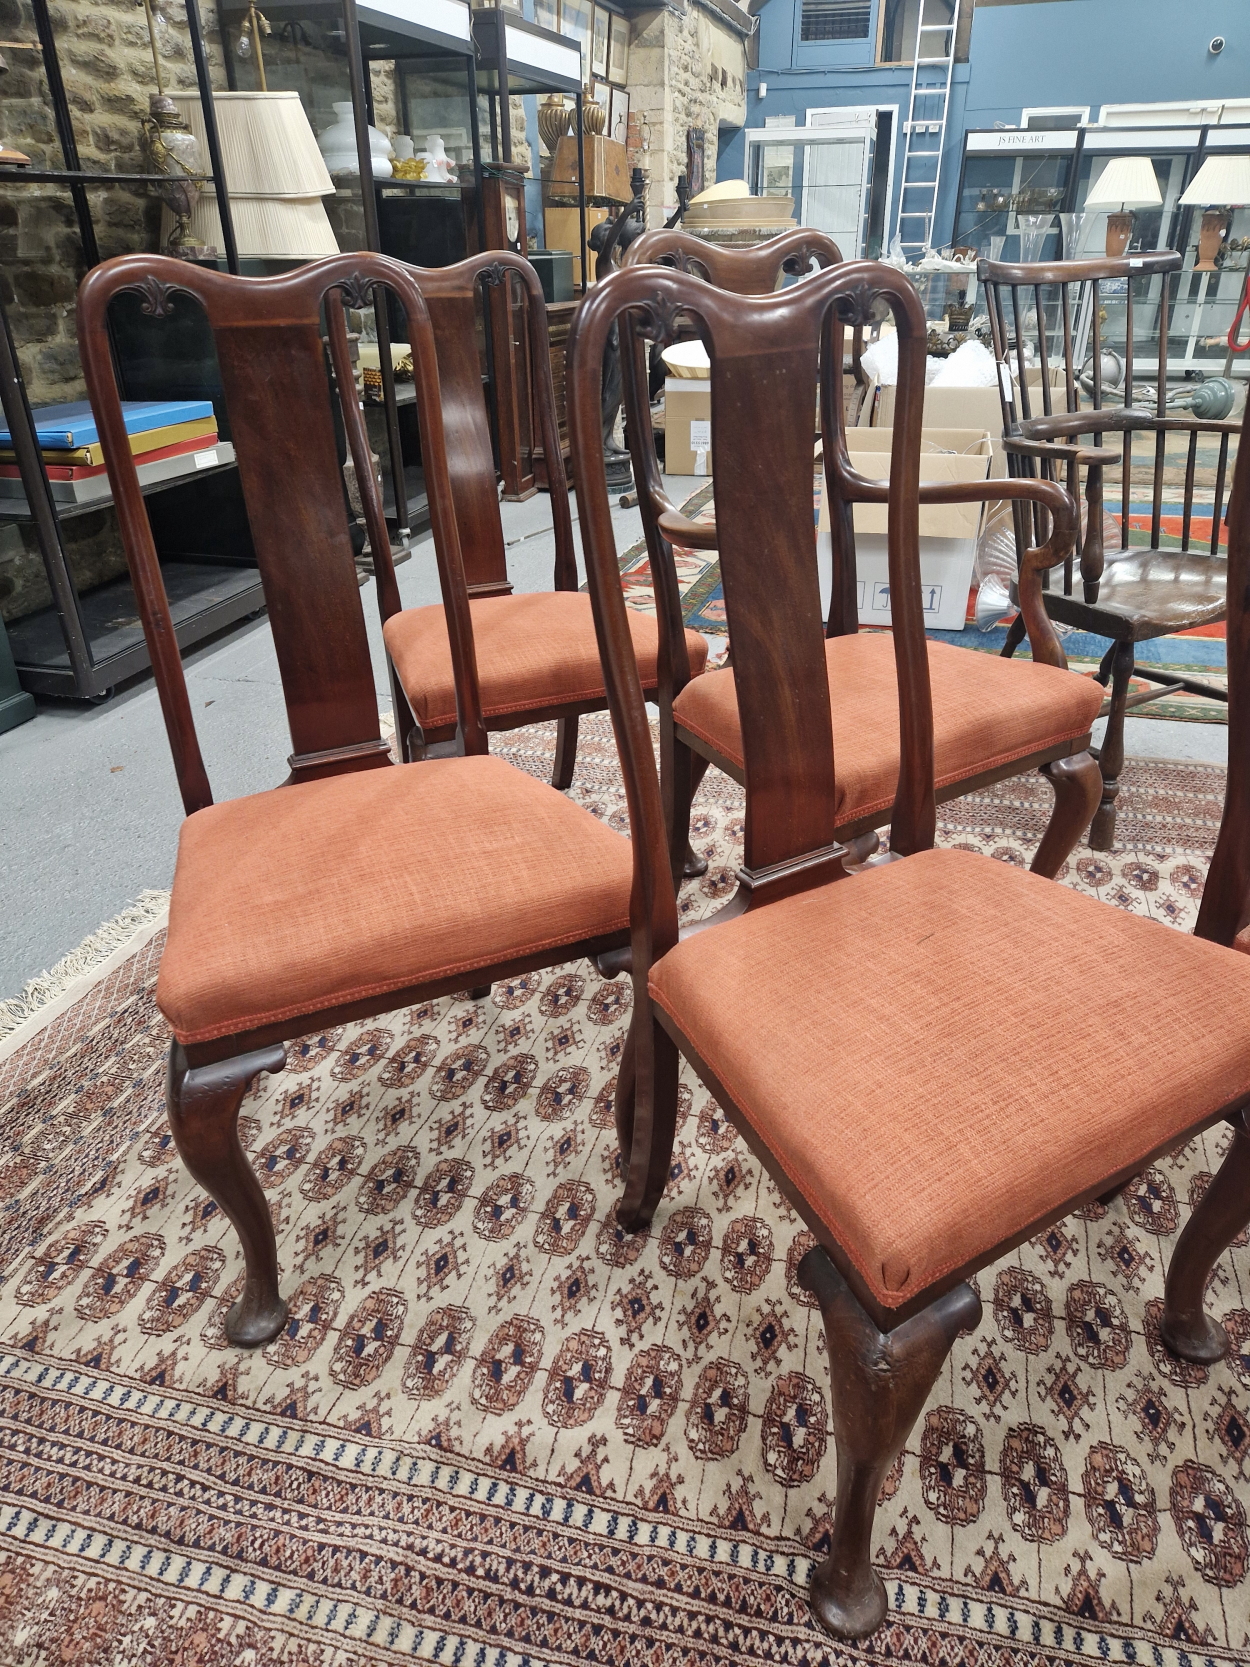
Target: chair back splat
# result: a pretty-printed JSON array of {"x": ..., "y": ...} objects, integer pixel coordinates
[
  {"x": 280, "y": 401},
  {"x": 452, "y": 296},
  {"x": 766, "y": 353}
]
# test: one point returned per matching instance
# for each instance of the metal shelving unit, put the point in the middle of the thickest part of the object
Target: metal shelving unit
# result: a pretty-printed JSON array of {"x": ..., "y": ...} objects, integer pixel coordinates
[{"x": 87, "y": 642}]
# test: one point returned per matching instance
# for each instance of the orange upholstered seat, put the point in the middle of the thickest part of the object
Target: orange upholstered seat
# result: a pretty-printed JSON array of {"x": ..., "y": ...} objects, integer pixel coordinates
[
  {"x": 533, "y": 651},
  {"x": 986, "y": 712},
  {"x": 302, "y": 898},
  {"x": 926, "y": 1128}
]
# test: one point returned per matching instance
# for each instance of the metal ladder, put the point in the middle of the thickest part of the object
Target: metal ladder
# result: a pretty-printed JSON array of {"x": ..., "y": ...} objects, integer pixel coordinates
[{"x": 925, "y": 134}]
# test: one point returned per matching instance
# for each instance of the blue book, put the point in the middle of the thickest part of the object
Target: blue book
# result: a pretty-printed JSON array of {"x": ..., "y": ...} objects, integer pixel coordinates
[{"x": 66, "y": 427}]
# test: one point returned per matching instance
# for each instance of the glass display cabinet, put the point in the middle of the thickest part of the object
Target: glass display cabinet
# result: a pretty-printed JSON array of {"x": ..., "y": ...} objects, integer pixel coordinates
[
  {"x": 389, "y": 90},
  {"x": 1023, "y": 195},
  {"x": 516, "y": 57},
  {"x": 831, "y": 173}
]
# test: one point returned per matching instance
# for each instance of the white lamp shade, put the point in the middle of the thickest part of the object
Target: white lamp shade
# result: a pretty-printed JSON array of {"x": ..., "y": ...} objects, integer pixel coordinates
[
  {"x": 1221, "y": 182},
  {"x": 1126, "y": 182},
  {"x": 267, "y": 147},
  {"x": 266, "y": 228}
]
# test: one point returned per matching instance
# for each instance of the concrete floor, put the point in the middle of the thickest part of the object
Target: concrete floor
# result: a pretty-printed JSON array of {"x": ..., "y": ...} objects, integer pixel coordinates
[{"x": 89, "y": 806}]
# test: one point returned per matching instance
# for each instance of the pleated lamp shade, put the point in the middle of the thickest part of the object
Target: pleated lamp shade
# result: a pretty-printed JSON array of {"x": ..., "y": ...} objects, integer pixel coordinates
[
  {"x": 275, "y": 174},
  {"x": 1221, "y": 182},
  {"x": 1126, "y": 182}
]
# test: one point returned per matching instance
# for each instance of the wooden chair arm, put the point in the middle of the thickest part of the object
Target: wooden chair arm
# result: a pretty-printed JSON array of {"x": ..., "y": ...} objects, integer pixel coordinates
[
  {"x": 693, "y": 535},
  {"x": 1090, "y": 457},
  {"x": 1058, "y": 547},
  {"x": 1086, "y": 422}
]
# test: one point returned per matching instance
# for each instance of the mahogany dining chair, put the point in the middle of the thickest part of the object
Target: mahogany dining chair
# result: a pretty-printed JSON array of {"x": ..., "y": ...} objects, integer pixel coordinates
[
  {"x": 993, "y": 718},
  {"x": 851, "y": 1025},
  {"x": 536, "y": 652},
  {"x": 357, "y": 886}
]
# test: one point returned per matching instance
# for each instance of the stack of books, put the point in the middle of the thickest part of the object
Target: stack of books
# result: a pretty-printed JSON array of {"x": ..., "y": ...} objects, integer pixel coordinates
[{"x": 167, "y": 437}]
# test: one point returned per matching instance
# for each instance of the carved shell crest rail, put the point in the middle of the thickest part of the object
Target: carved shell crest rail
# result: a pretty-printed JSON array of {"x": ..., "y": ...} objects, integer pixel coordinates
[
  {"x": 157, "y": 296},
  {"x": 680, "y": 261},
  {"x": 357, "y": 291}
]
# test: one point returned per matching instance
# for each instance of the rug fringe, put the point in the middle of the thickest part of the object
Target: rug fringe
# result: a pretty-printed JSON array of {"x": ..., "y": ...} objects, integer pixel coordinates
[{"x": 90, "y": 954}]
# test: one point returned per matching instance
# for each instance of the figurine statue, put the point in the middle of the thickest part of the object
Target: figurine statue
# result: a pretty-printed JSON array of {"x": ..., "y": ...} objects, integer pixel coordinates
[{"x": 605, "y": 240}]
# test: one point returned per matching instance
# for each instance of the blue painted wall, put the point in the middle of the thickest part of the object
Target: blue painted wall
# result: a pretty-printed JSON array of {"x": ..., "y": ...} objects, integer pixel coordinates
[{"x": 1051, "y": 52}]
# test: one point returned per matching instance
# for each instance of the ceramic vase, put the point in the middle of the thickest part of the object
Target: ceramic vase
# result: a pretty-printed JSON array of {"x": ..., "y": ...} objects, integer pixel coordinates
[{"x": 338, "y": 146}]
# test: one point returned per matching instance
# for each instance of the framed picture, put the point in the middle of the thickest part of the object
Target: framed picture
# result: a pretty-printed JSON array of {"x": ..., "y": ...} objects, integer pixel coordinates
[
  {"x": 618, "y": 50},
  {"x": 618, "y": 116},
  {"x": 547, "y": 13},
  {"x": 599, "y": 45},
  {"x": 575, "y": 22}
]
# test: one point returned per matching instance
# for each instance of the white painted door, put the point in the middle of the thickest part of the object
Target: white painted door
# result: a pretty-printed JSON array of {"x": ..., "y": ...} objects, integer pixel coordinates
[{"x": 835, "y": 178}]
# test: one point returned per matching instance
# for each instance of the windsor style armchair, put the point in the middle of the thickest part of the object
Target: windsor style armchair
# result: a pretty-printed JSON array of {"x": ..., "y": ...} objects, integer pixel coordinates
[
  {"x": 992, "y": 720},
  {"x": 851, "y": 1025},
  {"x": 1050, "y": 335},
  {"x": 357, "y": 886},
  {"x": 536, "y": 652}
]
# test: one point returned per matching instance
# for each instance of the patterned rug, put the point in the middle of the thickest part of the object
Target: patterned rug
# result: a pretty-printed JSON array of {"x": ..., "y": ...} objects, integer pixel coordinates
[{"x": 499, "y": 1432}]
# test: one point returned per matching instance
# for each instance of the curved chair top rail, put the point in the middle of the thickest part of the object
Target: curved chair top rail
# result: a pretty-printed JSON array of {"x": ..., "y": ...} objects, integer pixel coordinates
[
  {"x": 766, "y": 353},
  {"x": 754, "y": 271},
  {"x": 268, "y": 336},
  {"x": 452, "y": 295},
  {"x": 1079, "y": 271}
]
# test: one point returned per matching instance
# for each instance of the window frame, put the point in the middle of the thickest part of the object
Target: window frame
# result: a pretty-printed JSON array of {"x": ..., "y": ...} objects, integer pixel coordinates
[
  {"x": 835, "y": 54},
  {"x": 1080, "y": 110}
]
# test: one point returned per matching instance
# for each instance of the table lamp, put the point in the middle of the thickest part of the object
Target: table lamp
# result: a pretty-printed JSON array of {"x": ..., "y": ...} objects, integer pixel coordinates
[
  {"x": 1126, "y": 183},
  {"x": 1222, "y": 182},
  {"x": 275, "y": 174}
]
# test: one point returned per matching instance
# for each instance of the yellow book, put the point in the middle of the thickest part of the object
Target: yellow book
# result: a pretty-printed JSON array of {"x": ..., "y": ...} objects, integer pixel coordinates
[{"x": 92, "y": 457}]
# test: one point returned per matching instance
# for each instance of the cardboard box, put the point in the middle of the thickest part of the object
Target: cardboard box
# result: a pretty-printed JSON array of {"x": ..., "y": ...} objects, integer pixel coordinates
[
  {"x": 687, "y": 425},
  {"x": 978, "y": 408},
  {"x": 948, "y": 532}
]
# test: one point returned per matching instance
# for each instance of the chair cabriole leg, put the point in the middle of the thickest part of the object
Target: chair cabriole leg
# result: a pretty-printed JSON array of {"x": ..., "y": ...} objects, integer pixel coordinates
[
  {"x": 1077, "y": 782},
  {"x": 203, "y": 1104},
  {"x": 566, "y": 753},
  {"x": 686, "y": 771},
  {"x": 653, "y": 1125},
  {"x": 879, "y": 1383},
  {"x": 1111, "y": 754},
  {"x": 1224, "y": 1209},
  {"x": 694, "y": 865}
]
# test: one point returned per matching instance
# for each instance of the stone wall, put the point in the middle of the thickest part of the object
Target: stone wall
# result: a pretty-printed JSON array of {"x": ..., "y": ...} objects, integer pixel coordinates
[{"x": 687, "y": 69}]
